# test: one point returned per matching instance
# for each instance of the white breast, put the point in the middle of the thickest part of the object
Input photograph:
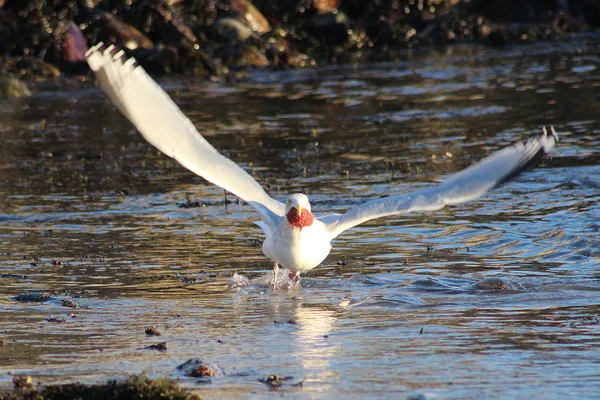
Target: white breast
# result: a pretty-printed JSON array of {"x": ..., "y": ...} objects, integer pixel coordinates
[{"x": 298, "y": 249}]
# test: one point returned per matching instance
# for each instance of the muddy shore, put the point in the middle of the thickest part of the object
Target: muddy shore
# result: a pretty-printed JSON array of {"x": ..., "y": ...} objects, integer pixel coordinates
[{"x": 46, "y": 40}]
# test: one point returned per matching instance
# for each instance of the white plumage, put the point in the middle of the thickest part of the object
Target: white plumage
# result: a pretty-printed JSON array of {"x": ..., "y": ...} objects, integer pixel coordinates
[{"x": 294, "y": 239}]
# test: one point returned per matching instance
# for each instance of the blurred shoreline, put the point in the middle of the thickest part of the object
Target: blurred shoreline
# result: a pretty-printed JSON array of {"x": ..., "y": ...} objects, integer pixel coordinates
[{"x": 221, "y": 39}]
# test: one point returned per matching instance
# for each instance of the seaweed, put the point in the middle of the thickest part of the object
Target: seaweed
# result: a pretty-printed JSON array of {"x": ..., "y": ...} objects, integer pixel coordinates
[{"x": 136, "y": 387}]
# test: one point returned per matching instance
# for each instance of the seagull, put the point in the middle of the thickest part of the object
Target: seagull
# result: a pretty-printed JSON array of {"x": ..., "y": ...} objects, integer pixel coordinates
[{"x": 295, "y": 238}]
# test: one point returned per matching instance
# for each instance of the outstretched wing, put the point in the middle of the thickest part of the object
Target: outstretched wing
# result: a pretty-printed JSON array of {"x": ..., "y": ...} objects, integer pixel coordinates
[
  {"x": 468, "y": 184},
  {"x": 162, "y": 123}
]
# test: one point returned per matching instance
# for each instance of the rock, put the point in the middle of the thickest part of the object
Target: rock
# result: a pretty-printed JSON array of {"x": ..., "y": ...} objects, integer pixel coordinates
[
  {"x": 55, "y": 320},
  {"x": 169, "y": 59},
  {"x": 56, "y": 31},
  {"x": 32, "y": 297},
  {"x": 23, "y": 382},
  {"x": 13, "y": 276},
  {"x": 496, "y": 283},
  {"x": 151, "y": 331},
  {"x": 74, "y": 46},
  {"x": 325, "y": 6},
  {"x": 114, "y": 31},
  {"x": 69, "y": 303},
  {"x": 232, "y": 30},
  {"x": 162, "y": 346},
  {"x": 201, "y": 371},
  {"x": 282, "y": 55},
  {"x": 13, "y": 87},
  {"x": 331, "y": 28},
  {"x": 247, "y": 13},
  {"x": 242, "y": 21},
  {"x": 252, "y": 57},
  {"x": 196, "y": 368},
  {"x": 90, "y": 3},
  {"x": 30, "y": 68},
  {"x": 276, "y": 381},
  {"x": 418, "y": 396},
  {"x": 272, "y": 380},
  {"x": 171, "y": 23}
]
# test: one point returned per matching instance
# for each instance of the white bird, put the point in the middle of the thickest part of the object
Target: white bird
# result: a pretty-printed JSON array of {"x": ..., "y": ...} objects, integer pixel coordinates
[{"x": 295, "y": 238}]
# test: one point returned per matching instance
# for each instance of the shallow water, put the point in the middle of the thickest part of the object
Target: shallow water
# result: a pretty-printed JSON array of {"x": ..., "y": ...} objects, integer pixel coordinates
[{"x": 499, "y": 297}]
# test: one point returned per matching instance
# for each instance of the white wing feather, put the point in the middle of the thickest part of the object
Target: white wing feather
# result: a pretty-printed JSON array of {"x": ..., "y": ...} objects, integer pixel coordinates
[
  {"x": 162, "y": 123},
  {"x": 467, "y": 185}
]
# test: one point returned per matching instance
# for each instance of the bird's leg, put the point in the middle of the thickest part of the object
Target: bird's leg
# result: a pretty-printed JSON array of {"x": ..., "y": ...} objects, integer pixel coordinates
[
  {"x": 295, "y": 278},
  {"x": 275, "y": 271}
]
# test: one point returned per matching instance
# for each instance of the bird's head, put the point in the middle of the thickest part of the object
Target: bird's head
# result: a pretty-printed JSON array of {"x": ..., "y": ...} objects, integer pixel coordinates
[{"x": 297, "y": 211}]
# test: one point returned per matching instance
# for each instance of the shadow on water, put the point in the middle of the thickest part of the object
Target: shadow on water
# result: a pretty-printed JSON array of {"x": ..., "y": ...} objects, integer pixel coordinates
[{"x": 494, "y": 298}]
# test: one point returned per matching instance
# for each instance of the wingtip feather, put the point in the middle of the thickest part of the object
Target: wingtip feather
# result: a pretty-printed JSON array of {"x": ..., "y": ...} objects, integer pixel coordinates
[
  {"x": 109, "y": 50},
  {"x": 119, "y": 55},
  {"x": 94, "y": 49},
  {"x": 548, "y": 140},
  {"x": 94, "y": 59}
]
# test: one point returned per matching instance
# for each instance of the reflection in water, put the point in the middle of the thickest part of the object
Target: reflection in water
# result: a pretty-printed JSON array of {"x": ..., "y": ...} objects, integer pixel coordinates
[
  {"x": 313, "y": 350},
  {"x": 495, "y": 298}
]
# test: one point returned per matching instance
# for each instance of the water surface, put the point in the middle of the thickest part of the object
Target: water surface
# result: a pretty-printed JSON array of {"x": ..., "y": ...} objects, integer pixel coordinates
[{"x": 499, "y": 297}]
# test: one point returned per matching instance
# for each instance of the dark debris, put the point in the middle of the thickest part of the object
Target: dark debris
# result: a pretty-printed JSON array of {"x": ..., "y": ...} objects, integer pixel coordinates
[
  {"x": 162, "y": 346},
  {"x": 152, "y": 331},
  {"x": 55, "y": 320},
  {"x": 201, "y": 371},
  {"x": 32, "y": 297},
  {"x": 197, "y": 368},
  {"x": 13, "y": 276},
  {"x": 22, "y": 382},
  {"x": 69, "y": 303},
  {"x": 276, "y": 381}
]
